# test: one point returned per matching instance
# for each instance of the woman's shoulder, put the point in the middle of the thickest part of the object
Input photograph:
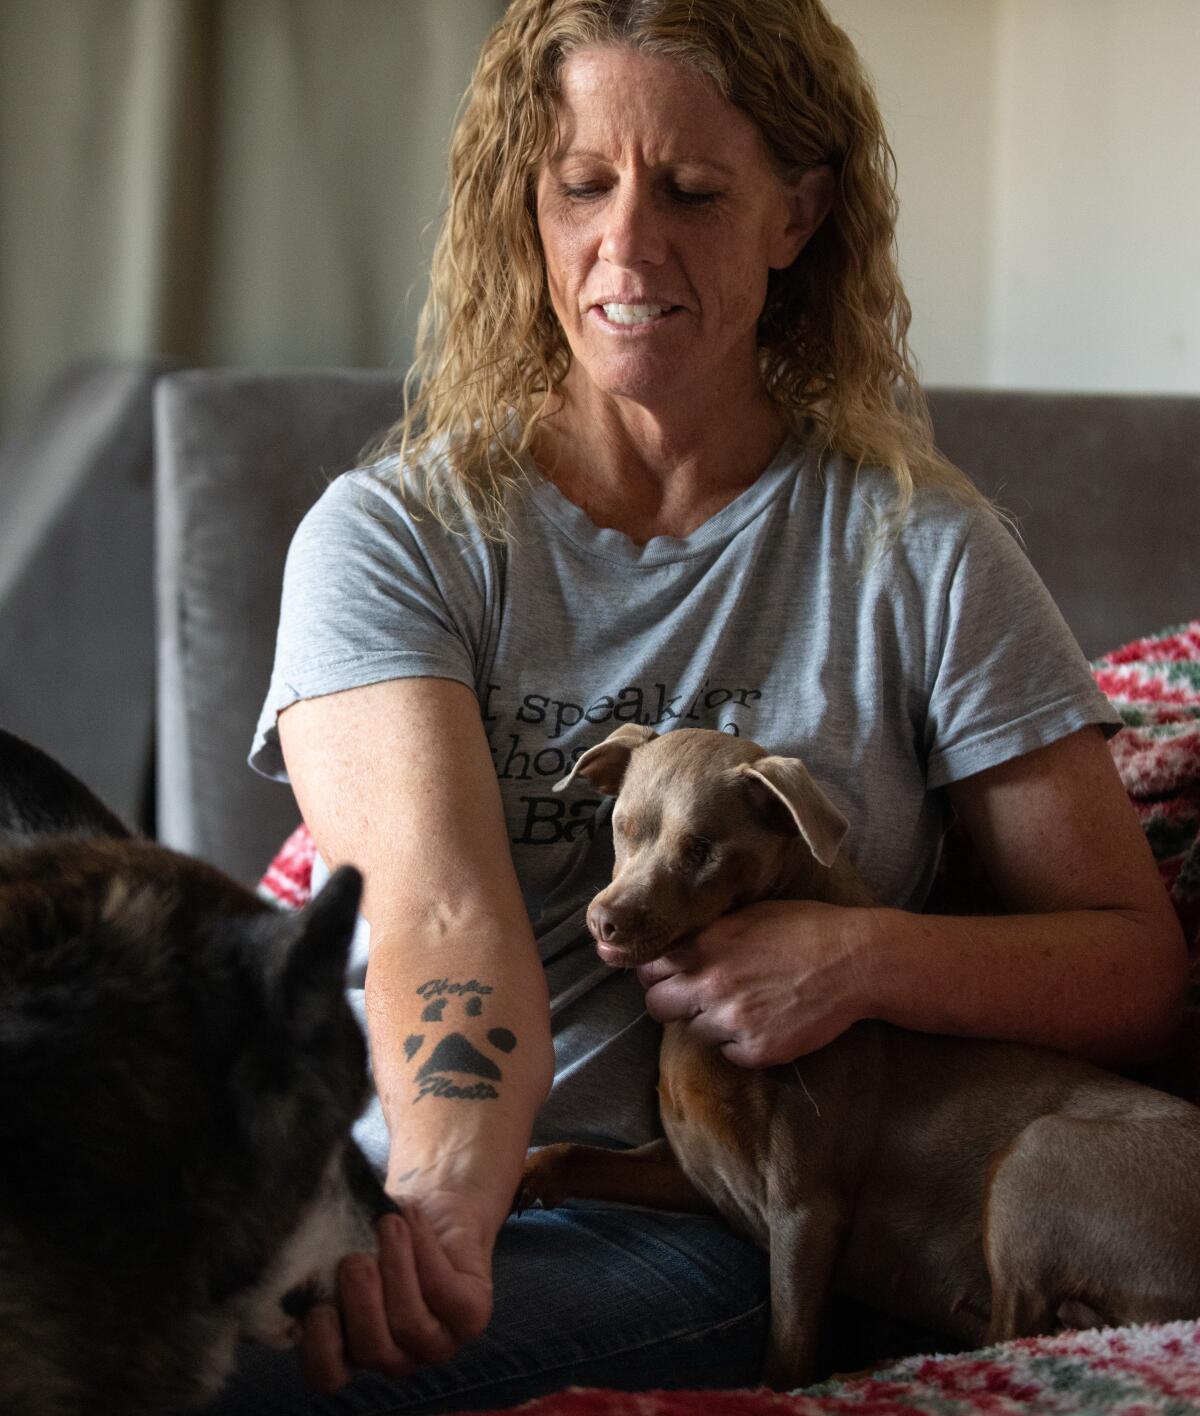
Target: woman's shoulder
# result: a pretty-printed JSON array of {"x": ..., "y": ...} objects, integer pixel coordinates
[
  {"x": 416, "y": 502},
  {"x": 875, "y": 514},
  {"x": 371, "y": 532}
]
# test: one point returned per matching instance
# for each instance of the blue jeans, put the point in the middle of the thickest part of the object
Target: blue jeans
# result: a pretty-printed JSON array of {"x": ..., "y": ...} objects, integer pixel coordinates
[{"x": 584, "y": 1296}]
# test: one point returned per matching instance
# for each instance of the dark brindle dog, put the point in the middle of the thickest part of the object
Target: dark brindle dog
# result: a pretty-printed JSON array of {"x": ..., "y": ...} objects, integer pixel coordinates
[{"x": 179, "y": 1072}]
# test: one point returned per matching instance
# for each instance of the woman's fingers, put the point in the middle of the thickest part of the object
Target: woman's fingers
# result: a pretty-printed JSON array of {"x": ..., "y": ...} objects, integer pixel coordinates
[
  {"x": 322, "y": 1353},
  {"x": 680, "y": 958},
  {"x": 675, "y": 997},
  {"x": 459, "y": 1290},
  {"x": 368, "y": 1334},
  {"x": 406, "y": 1294}
]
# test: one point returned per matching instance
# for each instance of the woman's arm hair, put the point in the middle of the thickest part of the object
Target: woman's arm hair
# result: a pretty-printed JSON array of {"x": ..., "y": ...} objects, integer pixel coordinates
[
  {"x": 1092, "y": 959},
  {"x": 396, "y": 778}
]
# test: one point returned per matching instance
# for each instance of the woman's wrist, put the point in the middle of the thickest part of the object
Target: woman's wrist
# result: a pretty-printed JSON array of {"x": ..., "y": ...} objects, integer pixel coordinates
[
  {"x": 475, "y": 1176},
  {"x": 407, "y": 1182},
  {"x": 864, "y": 931}
]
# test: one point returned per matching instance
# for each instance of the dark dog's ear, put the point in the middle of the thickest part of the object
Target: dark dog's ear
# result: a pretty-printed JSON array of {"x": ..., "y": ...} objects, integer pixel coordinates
[
  {"x": 785, "y": 792},
  {"x": 320, "y": 934},
  {"x": 604, "y": 765},
  {"x": 39, "y": 798}
]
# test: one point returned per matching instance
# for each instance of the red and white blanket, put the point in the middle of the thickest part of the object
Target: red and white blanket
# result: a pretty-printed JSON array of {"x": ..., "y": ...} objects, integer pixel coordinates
[
  {"x": 288, "y": 879},
  {"x": 1135, "y": 1371},
  {"x": 1154, "y": 684}
]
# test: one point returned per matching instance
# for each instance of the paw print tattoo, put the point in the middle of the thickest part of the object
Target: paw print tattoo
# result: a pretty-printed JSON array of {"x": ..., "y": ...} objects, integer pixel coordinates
[{"x": 454, "y": 1056}]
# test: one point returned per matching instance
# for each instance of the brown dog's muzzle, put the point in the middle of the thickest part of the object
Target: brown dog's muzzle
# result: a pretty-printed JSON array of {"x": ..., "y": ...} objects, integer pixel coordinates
[{"x": 626, "y": 934}]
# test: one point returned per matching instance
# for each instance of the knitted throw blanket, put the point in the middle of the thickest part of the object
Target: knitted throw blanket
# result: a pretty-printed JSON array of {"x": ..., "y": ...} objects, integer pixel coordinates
[
  {"x": 1154, "y": 684},
  {"x": 288, "y": 879},
  {"x": 1135, "y": 1371}
]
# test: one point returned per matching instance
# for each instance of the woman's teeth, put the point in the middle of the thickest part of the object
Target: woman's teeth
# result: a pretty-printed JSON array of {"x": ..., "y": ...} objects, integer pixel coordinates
[{"x": 633, "y": 314}]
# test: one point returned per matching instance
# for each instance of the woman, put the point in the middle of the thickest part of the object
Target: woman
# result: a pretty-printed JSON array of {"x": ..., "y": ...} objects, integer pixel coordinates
[{"x": 666, "y": 463}]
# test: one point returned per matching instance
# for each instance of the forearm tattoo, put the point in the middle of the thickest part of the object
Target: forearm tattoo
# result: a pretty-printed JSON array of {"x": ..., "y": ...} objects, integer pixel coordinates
[{"x": 451, "y": 1063}]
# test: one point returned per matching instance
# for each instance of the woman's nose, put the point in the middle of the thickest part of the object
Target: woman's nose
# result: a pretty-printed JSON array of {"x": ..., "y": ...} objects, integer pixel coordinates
[{"x": 633, "y": 231}]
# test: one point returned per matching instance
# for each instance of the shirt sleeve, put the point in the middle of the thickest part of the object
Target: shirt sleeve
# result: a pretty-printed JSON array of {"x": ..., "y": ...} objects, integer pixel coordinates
[
  {"x": 369, "y": 593},
  {"x": 1010, "y": 676}
]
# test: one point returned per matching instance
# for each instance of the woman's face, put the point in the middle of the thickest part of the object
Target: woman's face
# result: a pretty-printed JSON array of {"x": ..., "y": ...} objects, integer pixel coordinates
[{"x": 660, "y": 216}]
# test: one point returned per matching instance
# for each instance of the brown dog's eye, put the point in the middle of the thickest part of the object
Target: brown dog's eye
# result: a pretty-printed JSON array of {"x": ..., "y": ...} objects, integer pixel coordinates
[{"x": 696, "y": 851}]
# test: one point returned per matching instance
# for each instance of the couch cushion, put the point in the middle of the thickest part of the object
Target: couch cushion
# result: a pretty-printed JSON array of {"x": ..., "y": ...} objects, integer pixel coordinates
[
  {"x": 240, "y": 458},
  {"x": 1105, "y": 490},
  {"x": 76, "y": 582}
]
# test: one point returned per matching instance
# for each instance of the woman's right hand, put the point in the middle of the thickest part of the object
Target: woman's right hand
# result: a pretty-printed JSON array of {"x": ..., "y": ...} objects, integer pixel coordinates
[{"x": 427, "y": 1292}]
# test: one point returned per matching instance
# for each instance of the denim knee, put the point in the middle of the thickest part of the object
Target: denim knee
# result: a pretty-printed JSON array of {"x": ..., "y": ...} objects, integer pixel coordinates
[{"x": 609, "y": 1296}]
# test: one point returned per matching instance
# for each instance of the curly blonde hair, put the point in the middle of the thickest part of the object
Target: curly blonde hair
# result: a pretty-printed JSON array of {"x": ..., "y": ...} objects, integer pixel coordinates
[{"x": 832, "y": 336}]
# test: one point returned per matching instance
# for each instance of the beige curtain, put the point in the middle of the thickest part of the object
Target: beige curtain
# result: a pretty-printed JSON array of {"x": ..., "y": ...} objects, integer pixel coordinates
[{"x": 250, "y": 182}]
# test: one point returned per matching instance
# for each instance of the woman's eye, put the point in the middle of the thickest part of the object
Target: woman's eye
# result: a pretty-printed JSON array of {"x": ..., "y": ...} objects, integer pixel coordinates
[{"x": 588, "y": 191}]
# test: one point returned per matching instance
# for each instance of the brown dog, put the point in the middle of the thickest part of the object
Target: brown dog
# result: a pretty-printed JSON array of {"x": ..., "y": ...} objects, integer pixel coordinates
[{"x": 983, "y": 1189}]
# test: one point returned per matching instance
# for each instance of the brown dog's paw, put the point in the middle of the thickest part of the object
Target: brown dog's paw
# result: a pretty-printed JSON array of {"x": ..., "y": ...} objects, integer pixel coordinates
[{"x": 545, "y": 1181}]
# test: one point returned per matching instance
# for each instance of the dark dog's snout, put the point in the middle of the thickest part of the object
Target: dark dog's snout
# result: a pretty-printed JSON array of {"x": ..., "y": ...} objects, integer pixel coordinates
[{"x": 297, "y": 1301}]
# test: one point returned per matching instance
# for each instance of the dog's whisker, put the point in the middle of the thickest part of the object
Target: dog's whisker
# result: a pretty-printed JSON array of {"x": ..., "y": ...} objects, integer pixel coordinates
[{"x": 804, "y": 1086}]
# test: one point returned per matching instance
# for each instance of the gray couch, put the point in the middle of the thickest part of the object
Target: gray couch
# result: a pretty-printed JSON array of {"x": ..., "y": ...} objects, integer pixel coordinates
[
  {"x": 1106, "y": 490},
  {"x": 77, "y": 578}
]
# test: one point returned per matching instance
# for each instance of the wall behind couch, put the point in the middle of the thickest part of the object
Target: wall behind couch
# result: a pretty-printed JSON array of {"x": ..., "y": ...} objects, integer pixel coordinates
[
  {"x": 221, "y": 181},
  {"x": 254, "y": 181},
  {"x": 1049, "y": 175}
]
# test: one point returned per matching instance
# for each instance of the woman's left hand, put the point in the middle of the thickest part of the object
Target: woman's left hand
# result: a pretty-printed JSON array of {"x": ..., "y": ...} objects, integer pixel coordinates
[{"x": 766, "y": 983}]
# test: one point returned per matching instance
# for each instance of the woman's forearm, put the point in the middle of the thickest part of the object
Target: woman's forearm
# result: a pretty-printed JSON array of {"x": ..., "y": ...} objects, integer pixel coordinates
[
  {"x": 462, "y": 1060},
  {"x": 1102, "y": 984},
  {"x": 397, "y": 778}
]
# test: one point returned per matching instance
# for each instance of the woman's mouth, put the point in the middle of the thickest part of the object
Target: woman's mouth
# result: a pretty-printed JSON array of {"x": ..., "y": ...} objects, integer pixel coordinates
[{"x": 632, "y": 316}]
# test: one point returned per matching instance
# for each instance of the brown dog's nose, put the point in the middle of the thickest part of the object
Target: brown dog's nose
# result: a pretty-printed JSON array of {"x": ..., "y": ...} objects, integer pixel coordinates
[{"x": 603, "y": 924}]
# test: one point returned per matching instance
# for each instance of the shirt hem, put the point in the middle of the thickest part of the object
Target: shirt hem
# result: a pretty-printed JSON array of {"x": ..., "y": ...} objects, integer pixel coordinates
[
  {"x": 266, "y": 757},
  {"x": 1002, "y": 744}
]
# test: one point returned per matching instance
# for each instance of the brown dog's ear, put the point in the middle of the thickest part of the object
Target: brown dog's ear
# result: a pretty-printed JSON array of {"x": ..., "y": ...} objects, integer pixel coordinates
[
  {"x": 604, "y": 765},
  {"x": 812, "y": 813}
]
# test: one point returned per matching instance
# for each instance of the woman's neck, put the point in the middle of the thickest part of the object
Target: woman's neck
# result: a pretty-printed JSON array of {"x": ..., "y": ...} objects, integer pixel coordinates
[{"x": 636, "y": 471}]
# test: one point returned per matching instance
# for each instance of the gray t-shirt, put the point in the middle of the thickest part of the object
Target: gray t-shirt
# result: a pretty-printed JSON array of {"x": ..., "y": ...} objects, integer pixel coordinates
[{"x": 891, "y": 668}]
